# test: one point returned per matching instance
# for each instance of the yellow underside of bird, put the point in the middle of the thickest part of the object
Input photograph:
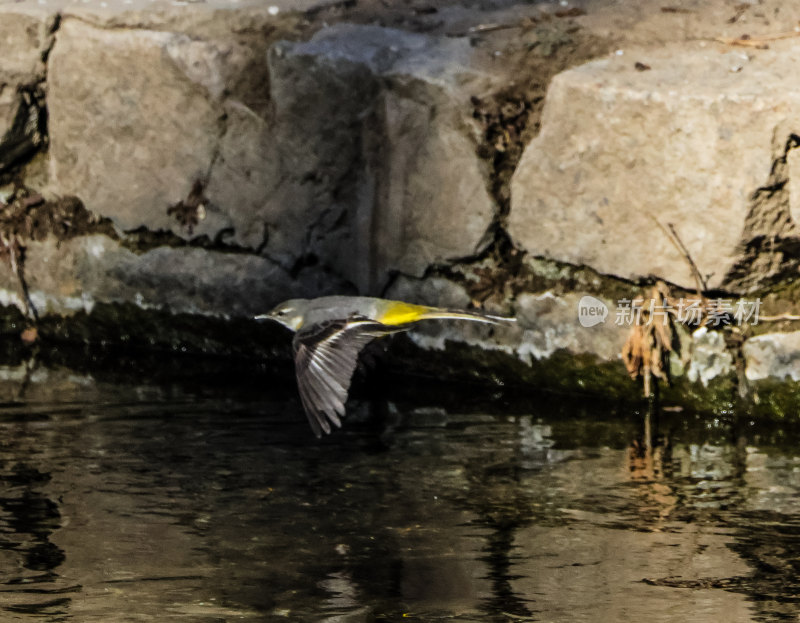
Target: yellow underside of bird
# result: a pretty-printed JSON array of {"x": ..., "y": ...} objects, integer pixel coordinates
[
  {"x": 400, "y": 313},
  {"x": 403, "y": 313}
]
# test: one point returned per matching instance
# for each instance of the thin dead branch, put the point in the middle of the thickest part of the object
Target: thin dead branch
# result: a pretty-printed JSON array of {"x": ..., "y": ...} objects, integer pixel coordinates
[
  {"x": 778, "y": 317},
  {"x": 672, "y": 236},
  {"x": 760, "y": 42},
  {"x": 525, "y": 23}
]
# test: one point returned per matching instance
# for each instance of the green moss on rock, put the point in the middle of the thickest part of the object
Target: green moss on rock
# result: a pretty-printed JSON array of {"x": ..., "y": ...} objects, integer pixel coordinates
[{"x": 776, "y": 399}]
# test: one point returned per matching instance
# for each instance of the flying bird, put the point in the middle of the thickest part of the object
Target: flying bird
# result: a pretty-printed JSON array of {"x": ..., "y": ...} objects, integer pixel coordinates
[{"x": 331, "y": 331}]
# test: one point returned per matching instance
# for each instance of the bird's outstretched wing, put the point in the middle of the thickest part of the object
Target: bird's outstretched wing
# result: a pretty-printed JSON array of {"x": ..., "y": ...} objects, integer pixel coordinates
[{"x": 325, "y": 357}]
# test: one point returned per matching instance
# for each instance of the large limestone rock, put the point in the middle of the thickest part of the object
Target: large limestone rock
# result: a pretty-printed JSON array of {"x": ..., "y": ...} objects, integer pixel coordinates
[
  {"x": 686, "y": 142},
  {"x": 400, "y": 102}
]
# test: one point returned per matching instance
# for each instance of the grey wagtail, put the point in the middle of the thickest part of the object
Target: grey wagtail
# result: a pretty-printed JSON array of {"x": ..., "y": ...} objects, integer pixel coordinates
[{"x": 330, "y": 331}]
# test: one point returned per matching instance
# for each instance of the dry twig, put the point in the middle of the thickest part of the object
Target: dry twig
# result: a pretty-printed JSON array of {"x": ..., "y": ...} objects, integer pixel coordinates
[
  {"x": 672, "y": 236},
  {"x": 778, "y": 317},
  {"x": 760, "y": 43}
]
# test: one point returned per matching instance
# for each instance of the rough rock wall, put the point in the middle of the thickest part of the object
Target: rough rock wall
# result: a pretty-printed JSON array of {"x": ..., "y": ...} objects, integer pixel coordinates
[
  {"x": 228, "y": 158},
  {"x": 325, "y": 165}
]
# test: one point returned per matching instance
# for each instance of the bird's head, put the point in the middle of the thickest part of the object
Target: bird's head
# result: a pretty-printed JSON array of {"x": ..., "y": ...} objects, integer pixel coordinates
[{"x": 289, "y": 314}]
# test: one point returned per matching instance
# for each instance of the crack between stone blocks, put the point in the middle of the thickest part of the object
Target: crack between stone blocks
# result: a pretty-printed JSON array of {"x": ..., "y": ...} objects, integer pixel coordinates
[
  {"x": 30, "y": 126},
  {"x": 142, "y": 240},
  {"x": 770, "y": 240},
  {"x": 11, "y": 241},
  {"x": 507, "y": 120},
  {"x": 53, "y": 28},
  {"x": 118, "y": 27},
  {"x": 734, "y": 344}
]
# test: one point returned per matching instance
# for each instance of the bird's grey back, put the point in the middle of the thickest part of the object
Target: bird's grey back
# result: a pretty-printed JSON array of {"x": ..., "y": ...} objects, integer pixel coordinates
[{"x": 335, "y": 307}]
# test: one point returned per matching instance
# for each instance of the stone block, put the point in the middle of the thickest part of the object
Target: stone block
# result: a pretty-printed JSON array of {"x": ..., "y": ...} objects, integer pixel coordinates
[
  {"x": 687, "y": 142},
  {"x": 132, "y": 139}
]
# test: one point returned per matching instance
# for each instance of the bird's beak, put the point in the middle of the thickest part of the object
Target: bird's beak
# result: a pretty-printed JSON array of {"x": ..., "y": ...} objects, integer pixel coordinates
[{"x": 262, "y": 317}]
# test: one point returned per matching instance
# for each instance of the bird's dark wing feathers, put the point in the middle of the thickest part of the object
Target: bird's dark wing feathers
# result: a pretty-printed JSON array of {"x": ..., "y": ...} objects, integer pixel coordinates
[{"x": 325, "y": 357}]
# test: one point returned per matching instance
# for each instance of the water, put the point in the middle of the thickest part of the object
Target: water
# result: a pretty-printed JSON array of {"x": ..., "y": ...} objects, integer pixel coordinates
[{"x": 143, "y": 503}]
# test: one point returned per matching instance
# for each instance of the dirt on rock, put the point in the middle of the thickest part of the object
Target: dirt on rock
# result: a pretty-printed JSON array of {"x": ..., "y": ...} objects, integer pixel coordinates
[
  {"x": 29, "y": 216},
  {"x": 511, "y": 117}
]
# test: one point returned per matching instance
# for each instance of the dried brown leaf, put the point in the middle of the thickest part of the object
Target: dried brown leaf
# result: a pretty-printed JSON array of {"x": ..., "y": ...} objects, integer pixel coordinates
[{"x": 646, "y": 351}]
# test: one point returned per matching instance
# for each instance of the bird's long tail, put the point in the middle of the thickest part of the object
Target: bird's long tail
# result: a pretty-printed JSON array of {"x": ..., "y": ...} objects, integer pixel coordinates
[{"x": 433, "y": 313}]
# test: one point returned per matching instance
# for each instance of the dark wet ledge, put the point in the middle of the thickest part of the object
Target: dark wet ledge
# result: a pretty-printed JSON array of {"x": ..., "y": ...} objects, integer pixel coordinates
[{"x": 121, "y": 343}]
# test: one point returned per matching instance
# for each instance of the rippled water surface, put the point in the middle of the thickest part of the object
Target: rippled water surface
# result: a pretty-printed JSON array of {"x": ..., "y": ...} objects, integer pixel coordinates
[{"x": 142, "y": 505}]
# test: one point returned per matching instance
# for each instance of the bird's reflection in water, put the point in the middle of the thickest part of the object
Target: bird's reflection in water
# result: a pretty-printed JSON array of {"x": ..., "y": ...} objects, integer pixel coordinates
[{"x": 29, "y": 517}]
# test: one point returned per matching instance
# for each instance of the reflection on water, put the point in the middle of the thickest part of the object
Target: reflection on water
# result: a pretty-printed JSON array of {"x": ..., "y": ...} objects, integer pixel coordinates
[{"x": 141, "y": 504}]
